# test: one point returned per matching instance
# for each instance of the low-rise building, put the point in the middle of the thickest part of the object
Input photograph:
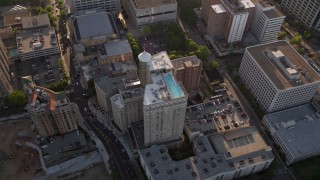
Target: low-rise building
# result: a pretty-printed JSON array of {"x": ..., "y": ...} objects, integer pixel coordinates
[
  {"x": 295, "y": 131},
  {"x": 144, "y": 12},
  {"x": 13, "y": 17},
  {"x": 112, "y": 6},
  {"x": 107, "y": 86},
  {"x": 127, "y": 107},
  {"x": 37, "y": 39},
  {"x": 51, "y": 112},
  {"x": 114, "y": 51},
  {"x": 228, "y": 155},
  {"x": 85, "y": 25},
  {"x": 277, "y": 75}
]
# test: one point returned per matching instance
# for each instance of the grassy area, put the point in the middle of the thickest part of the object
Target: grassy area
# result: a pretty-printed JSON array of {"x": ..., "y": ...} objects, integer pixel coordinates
[{"x": 308, "y": 169}]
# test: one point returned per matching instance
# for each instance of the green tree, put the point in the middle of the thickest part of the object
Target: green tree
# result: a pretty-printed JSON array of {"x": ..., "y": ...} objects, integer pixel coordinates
[
  {"x": 16, "y": 99},
  {"x": 49, "y": 8},
  {"x": 191, "y": 45},
  {"x": 146, "y": 30},
  {"x": 213, "y": 64},
  {"x": 202, "y": 52},
  {"x": 308, "y": 35},
  {"x": 175, "y": 43},
  {"x": 296, "y": 40},
  {"x": 63, "y": 14},
  {"x": 282, "y": 35}
]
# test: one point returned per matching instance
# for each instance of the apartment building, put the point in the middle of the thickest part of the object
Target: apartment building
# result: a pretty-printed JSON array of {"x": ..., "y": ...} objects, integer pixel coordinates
[
  {"x": 278, "y": 77},
  {"x": 5, "y": 79},
  {"x": 145, "y": 12},
  {"x": 115, "y": 51},
  {"x": 308, "y": 12},
  {"x": 112, "y": 6},
  {"x": 295, "y": 131},
  {"x": 216, "y": 21},
  {"x": 50, "y": 111},
  {"x": 206, "y": 7},
  {"x": 37, "y": 39},
  {"x": 107, "y": 86},
  {"x": 127, "y": 107},
  {"x": 267, "y": 21},
  {"x": 187, "y": 70},
  {"x": 164, "y": 103},
  {"x": 93, "y": 27},
  {"x": 220, "y": 156}
]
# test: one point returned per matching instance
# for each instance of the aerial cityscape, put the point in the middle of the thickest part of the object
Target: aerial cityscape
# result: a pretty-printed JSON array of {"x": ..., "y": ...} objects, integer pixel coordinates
[{"x": 159, "y": 89}]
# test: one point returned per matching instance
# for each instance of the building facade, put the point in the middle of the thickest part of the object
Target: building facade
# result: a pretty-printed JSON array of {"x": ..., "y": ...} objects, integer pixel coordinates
[
  {"x": 278, "y": 77},
  {"x": 187, "y": 70},
  {"x": 267, "y": 21},
  {"x": 127, "y": 107},
  {"x": 50, "y": 112},
  {"x": 144, "y": 12},
  {"x": 308, "y": 12},
  {"x": 5, "y": 79},
  {"x": 216, "y": 21},
  {"x": 112, "y": 6},
  {"x": 115, "y": 51}
]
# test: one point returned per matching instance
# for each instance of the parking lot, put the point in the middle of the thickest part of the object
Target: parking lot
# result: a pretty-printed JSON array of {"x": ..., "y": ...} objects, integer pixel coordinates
[
  {"x": 217, "y": 115},
  {"x": 43, "y": 70}
]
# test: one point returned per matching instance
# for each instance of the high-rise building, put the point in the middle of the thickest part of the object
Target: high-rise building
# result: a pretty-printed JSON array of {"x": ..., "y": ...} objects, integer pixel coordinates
[
  {"x": 108, "y": 86},
  {"x": 144, "y": 58},
  {"x": 5, "y": 86},
  {"x": 50, "y": 111},
  {"x": 235, "y": 17},
  {"x": 277, "y": 75},
  {"x": 127, "y": 107},
  {"x": 111, "y": 6},
  {"x": 267, "y": 21},
  {"x": 164, "y": 103},
  {"x": 188, "y": 71},
  {"x": 308, "y": 12},
  {"x": 144, "y": 12}
]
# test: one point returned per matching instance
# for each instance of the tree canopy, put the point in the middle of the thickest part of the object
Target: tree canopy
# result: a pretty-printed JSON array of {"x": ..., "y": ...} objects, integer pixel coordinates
[
  {"x": 296, "y": 40},
  {"x": 213, "y": 64},
  {"x": 16, "y": 99}
]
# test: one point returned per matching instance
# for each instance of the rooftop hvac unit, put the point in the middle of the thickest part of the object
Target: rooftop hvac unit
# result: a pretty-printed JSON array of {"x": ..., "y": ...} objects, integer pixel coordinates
[{"x": 37, "y": 44}]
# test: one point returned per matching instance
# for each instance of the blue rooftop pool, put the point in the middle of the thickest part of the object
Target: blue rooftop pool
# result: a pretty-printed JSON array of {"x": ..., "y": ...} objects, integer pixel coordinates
[{"x": 174, "y": 88}]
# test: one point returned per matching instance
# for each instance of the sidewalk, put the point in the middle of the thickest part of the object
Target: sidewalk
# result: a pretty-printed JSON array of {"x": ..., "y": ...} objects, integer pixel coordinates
[{"x": 107, "y": 123}]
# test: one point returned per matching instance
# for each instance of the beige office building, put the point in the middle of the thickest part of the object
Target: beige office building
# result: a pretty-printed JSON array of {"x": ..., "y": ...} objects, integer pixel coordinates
[
  {"x": 50, "y": 111},
  {"x": 127, "y": 107}
]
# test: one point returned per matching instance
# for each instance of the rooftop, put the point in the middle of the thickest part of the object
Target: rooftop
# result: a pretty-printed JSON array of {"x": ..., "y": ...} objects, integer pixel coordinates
[
  {"x": 215, "y": 116},
  {"x": 141, "y": 4},
  {"x": 94, "y": 23},
  {"x": 248, "y": 3},
  {"x": 276, "y": 67},
  {"x": 298, "y": 128},
  {"x": 28, "y": 41},
  {"x": 159, "y": 62},
  {"x": 41, "y": 98},
  {"x": 34, "y": 22},
  {"x": 234, "y": 6},
  {"x": 120, "y": 82},
  {"x": 218, "y": 8},
  {"x": 265, "y": 3},
  {"x": 15, "y": 15},
  {"x": 205, "y": 164},
  {"x": 181, "y": 63},
  {"x": 119, "y": 99},
  {"x": 117, "y": 47},
  {"x": 273, "y": 13}
]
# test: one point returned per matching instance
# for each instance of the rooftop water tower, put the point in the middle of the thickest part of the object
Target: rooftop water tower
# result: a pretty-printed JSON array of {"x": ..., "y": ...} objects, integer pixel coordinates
[{"x": 144, "y": 58}]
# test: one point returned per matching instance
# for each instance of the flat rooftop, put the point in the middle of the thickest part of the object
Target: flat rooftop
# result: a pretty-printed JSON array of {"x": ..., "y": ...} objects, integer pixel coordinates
[
  {"x": 15, "y": 15},
  {"x": 248, "y": 3},
  {"x": 110, "y": 83},
  {"x": 119, "y": 99},
  {"x": 235, "y": 6},
  {"x": 185, "y": 62},
  {"x": 215, "y": 116},
  {"x": 140, "y": 4},
  {"x": 94, "y": 23},
  {"x": 29, "y": 41},
  {"x": 238, "y": 142},
  {"x": 274, "y": 73},
  {"x": 218, "y": 8},
  {"x": 34, "y": 22},
  {"x": 163, "y": 88},
  {"x": 298, "y": 128},
  {"x": 159, "y": 62},
  {"x": 273, "y": 13},
  {"x": 265, "y": 3},
  {"x": 117, "y": 47}
]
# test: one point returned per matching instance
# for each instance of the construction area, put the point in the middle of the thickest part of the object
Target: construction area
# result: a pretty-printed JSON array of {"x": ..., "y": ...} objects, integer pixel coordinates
[{"x": 18, "y": 161}]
